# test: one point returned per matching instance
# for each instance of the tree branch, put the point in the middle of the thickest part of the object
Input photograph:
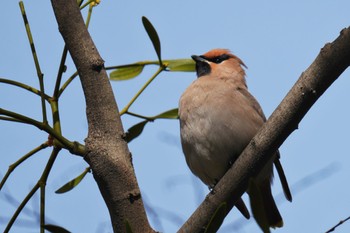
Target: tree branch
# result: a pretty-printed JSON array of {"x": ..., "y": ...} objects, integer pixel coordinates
[
  {"x": 107, "y": 151},
  {"x": 333, "y": 59}
]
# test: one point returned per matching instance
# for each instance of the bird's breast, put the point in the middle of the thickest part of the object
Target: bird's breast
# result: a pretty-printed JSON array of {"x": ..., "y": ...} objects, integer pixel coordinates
[{"x": 214, "y": 128}]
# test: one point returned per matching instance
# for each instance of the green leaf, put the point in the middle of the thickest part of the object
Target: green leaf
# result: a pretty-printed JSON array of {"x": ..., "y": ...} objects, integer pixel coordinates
[
  {"x": 184, "y": 65},
  {"x": 73, "y": 183},
  {"x": 217, "y": 219},
  {"x": 153, "y": 35},
  {"x": 130, "y": 71},
  {"x": 134, "y": 131},
  {"x": 125, "y": 73},
  {"x": 55, "y": 229},
  {"x": 170, "y": 114}
]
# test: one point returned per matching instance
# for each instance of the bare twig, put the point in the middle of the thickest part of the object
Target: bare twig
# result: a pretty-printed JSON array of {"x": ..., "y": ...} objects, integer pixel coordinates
[
  {"x": 13, "y": 166},
  {"x": 24, "y": 86},
  {"x": 36, "y": 61},
  {"x": 73, "y": 147},
  {"x": 126, "y": 108},
  {"x": 340, "y": 223}
]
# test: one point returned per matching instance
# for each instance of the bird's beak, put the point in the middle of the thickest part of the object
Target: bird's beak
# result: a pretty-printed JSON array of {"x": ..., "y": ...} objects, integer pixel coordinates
[
  {"x": 202, "y": 65},
  {"x": 198, "y": 59}
]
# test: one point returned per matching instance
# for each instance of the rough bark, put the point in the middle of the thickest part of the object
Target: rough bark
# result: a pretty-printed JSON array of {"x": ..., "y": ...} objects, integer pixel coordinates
[
  {"x": 332, "y": 60},
  {"x": 107, "y": 152}
]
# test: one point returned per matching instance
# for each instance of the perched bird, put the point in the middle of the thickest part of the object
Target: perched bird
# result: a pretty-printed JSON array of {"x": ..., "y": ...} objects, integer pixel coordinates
[{"x": 218, "y": 118}]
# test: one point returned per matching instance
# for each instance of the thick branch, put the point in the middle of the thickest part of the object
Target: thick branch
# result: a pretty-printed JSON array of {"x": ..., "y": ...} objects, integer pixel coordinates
[
  {"x": 333, "y": 59},
  {"x": 107, "y": 151}
]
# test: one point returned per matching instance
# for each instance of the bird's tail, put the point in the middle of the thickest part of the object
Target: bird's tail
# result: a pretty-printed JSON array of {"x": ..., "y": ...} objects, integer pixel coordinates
[
  {"x": 274, "y": 217},
  {"x": 242, "y": 208},
  {"x": 263, "y": 205},
  {"x": 283, "y": 178}
]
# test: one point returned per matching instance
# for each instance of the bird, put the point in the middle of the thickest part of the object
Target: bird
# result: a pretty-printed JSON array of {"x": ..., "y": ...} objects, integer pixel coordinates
[{"x": 218, "y": 118}]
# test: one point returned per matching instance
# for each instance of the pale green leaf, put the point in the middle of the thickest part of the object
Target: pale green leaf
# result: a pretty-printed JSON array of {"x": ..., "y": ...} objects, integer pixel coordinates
[
  {"x": 170, "y": 114},
  {"x": 184, "y": 65},
  {"x": 153, "y": 35},
  {"x": 73, "y": 183},
  {"x": 125, "y": 73}
]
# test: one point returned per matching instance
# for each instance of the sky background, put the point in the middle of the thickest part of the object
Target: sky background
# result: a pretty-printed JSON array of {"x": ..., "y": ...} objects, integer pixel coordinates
[{"x": 276, "y": 40}]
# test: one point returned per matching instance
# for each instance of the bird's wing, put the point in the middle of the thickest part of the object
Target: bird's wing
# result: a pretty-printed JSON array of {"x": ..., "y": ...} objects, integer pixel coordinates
[
  {"x": 254, "y": 104},
  {"x": 252, "y": 101}
]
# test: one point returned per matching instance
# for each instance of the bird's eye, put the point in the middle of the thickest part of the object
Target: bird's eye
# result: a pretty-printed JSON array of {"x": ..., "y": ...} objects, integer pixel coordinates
[{"x": 220, "y": 58}]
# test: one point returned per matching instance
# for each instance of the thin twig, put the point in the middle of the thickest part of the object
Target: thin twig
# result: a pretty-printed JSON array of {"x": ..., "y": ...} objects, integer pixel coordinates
[
  {"x": 20, "y": 207},
  {"x": 40, "y": 184},
  {"x": 340, "y": 223},
  {"x": 73, "y": 147},
  {"x": 140, "y": 63},
  {"x": 61, "y": 70},
  {"x": 42, "y": 181},
  {"x": 87, "y": 22},
  {"x": 24, "y": 86},
  {"x": 73, "y": 76},
  {"x": 13, "y": 166},
  {"x": 10, "y": 119},
  {"x": 65, "y": 85},
  {"x": 140, "y": 116},
  {"x": 56, "y": 117},
  {"x": 126, "y": 108},
  {"x": 36, "y": 61},
  {"x": 42, "y": 207}
]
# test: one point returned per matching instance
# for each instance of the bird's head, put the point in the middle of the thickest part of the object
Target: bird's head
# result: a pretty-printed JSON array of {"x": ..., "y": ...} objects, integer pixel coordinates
[{"x": 218, "y": 63}]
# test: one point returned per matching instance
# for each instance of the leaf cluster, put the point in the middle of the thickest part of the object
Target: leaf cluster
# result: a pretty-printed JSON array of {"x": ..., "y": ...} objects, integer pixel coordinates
[{"x": 56, "y": 140}]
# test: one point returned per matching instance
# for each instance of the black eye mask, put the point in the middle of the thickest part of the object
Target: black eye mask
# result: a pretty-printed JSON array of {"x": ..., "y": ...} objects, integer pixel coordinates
[{"x": 217, "y": 59}]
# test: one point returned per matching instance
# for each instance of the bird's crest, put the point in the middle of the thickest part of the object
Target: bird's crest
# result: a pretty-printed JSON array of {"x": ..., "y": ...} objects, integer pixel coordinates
[{"x": 219, "y": 52}]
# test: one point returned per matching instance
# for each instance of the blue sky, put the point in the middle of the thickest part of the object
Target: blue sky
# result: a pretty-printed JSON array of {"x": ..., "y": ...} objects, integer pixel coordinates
[{"x": 276, "y": 40}]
